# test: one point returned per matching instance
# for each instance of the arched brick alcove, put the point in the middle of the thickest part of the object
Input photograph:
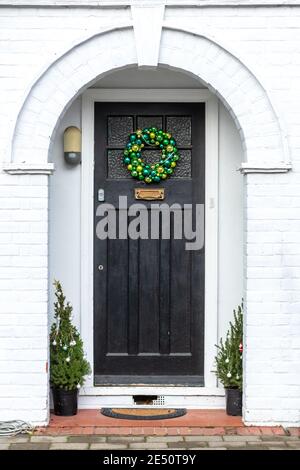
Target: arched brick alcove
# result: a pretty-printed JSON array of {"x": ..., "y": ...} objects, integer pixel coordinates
[
  {"x": 235, "y": 85},
  {"x": 246, "y": 100}
]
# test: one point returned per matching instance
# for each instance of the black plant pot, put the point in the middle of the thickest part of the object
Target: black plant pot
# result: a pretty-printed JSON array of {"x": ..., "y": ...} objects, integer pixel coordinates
[
  {"x": 65, "y": 401},
  {"x": 234, "y": 401}
]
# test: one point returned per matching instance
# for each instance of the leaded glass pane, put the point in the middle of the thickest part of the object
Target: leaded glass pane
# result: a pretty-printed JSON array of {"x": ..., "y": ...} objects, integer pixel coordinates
[
  {"x": 115, "y": 166},
  {"x": 149, "y": 121},
  {"x": 183, "y": 169},
  {"x": 181, "y": 129},
  {"x": 151, "y": 156},
  {"x": 118, "y": 129}
]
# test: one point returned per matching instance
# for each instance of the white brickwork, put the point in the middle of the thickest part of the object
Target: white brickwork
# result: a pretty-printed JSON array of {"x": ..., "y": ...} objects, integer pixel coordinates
[
  {"x": 23, "y": 305},
  {"x": 250, "y": 57}
]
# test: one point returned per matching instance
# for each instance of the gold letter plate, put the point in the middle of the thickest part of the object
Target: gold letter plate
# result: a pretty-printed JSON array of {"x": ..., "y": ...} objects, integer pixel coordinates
[{"x": 149, "y": 194}]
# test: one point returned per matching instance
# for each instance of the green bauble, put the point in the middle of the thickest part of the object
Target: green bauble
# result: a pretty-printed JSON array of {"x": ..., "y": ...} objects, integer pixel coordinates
[
  {"x": 163, "y": 176},
  {"x": 134, "y": 162},
  {"x": 153, "y": 174},
  {"x": 175, "y": 158},
  {"x": 141, "y": 177},
  {"x": 126, "y": 152},
  {"x": 156, "y": 179},
  {"x": 166, "y": 142},
  {"x": 145, "y": 136},
  {"x": 132, "y": 138},
  {"x": 159, "y": 138},
  {"x": 146, "y": 172},
  {"x": 172, "y": 142},
  {"x": 126, "y": 160},
  {"x": 148, "y": 180},
  {"x": 132, "y": 155},
  {"x": 169, "y": 171},
  {"x": 167, "y": 163},
  {"x": 134, "y": 173},
  {"x": 138, "y": 142},
  {"x": 161, "y": 146}
]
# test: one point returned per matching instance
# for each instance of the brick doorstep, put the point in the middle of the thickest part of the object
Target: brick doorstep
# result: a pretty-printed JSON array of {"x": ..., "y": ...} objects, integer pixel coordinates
[
  {"x": 165, "y": 431},
  {"x": 194, "y": 423}
]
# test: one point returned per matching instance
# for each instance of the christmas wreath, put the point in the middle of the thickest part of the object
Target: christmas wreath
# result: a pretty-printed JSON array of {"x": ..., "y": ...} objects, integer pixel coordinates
[{"x": 155, "y": 138}]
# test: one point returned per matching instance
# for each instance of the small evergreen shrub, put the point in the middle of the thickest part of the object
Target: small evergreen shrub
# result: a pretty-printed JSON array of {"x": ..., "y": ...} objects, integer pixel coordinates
[
  {"x": 228, "y": 360},
  {"x": 68, "y": 366}
]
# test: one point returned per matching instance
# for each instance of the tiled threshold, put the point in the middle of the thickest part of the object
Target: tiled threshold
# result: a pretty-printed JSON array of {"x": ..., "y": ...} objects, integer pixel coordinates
[{"x": 195, "y": 422}]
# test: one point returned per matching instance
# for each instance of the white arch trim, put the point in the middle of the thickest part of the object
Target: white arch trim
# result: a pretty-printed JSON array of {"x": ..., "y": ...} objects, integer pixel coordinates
[{"x": 262, "y": 136}]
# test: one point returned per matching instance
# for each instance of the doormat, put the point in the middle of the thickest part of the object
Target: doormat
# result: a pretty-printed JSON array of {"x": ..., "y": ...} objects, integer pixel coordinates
[{"x": 142, "y": 413}]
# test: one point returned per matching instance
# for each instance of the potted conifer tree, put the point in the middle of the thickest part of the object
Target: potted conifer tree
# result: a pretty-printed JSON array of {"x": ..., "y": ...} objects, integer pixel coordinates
[
  {"x": 68, "y": 366},
  {"x": 230, "y": 365}
]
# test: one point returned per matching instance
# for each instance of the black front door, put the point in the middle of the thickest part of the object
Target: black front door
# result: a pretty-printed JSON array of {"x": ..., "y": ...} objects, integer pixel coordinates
[{"x": 148, "y": 293}]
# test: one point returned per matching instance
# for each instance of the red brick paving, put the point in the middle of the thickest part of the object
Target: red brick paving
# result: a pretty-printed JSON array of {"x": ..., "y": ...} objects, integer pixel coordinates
[
  {"x": 195, "y": 422},
  {"x": 200, "y": 418},
  {"x": 278, "y": 430},
  {"x": 87, "y": 430},
  {"x": 294, "y": 432},
  {"x": 247, "y": 431}
]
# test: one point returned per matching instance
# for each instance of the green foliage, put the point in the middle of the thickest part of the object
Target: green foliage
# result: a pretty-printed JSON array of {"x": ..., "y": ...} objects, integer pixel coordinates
[
  {"x": 68, "y": 365},
  {"x": 229, "y": 356}
]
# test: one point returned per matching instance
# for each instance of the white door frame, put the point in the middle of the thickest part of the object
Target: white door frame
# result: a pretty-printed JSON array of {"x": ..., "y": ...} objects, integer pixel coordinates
[{"x": 211, "y": 231}]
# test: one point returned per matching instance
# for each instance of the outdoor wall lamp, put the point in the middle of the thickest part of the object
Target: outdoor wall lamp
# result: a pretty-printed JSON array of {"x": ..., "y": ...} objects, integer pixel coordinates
[{"x": 72, "y": 145}]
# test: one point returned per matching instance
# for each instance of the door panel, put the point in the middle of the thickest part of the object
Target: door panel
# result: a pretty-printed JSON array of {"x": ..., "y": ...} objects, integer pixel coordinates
[{"x": 149, "y": 297}]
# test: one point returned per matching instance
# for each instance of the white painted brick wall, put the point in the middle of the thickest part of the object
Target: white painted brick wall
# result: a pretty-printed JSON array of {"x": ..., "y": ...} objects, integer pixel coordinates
[
  {"x": 267, "y": 41},
  {"x": 23, "y": 294},
  {"x": 272, "y": 297}
]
